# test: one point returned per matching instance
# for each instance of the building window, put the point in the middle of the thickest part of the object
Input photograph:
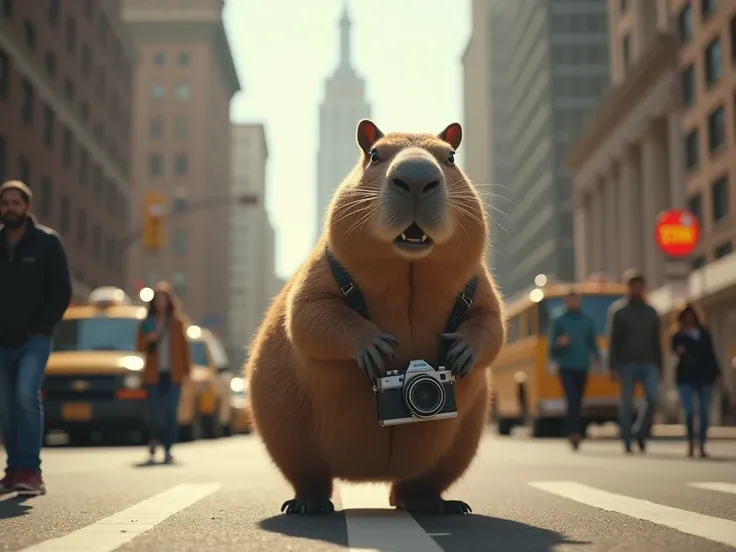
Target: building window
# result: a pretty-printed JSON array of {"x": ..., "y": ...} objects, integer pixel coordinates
[
  {"x": 3, "y": 153},
  {"x": 180, "y": 283},
  {"x": 183, "y": 59},
  {"x": 695, "y": 206},
  {"x": 86, "y": 60},
  {"x": 156, "y": 128},
  {"x": 181, "y": 128},
  {"x": 157, "y": 92},
  {"x": 707, "y": 7},
  {"x": 46, "y": 200},
  {"x": 6, "y": 8},
  {"x": 179, "y": 241},
  {"x": 24, "y": 170},
  {"x": 50, "y": 63},
  {"x": 685, "y": 23},
  {"x": 64, "y": 215},
  {"x": 180, "y": 202},
  {"x": 623, "y": 6},
  {"x": 719, "y": 194},
  {"x": 691, "y": 150},
  {"x": 29, "y": 36},
  {"x": 181, "y": 164},
  {"x": 47, "y": 127},
  {"x": 713, "y": 62},
  {"x": 626, "y": 49},
  {"x": 688, "y": 85},
  {"x": 26, "y": 101},
  {"x": 182, "y": 92},
  {"x": 67, "y": 148},
  {"x": 716, "y": 129},
  {"x": 4, "y": 74},
  {"x": 698, "y": 262},
  {"x": 723, "y": 250},
  {"x": 81, "y": 227},
  {"x": 155, "y": 165},
  {"x": 159, "y": 58},
  {"x": 71, "y": 35},
  {"x": 52, "y": 12},
  {"x": 68, "y": 91},
  {"x": 96, "y": 241}
]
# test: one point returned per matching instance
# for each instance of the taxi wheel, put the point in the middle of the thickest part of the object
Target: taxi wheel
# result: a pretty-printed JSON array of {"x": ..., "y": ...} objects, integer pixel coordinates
[
  {"x": 211, "y": 427},
  {"x": 79, "y": 437}
]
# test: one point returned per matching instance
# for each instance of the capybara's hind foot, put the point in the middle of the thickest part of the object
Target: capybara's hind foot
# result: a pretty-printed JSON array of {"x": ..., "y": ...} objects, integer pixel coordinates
[
  {"x": 434, "y": 506},
  {"x": 308, "y": 506}
]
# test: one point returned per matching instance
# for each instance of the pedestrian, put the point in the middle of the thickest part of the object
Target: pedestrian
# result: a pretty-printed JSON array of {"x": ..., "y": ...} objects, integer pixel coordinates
[
  {"x": 572, "y": 343},
  {"x": 697, "y": 371},
  {"x": 635, "y": 355},
  {"x": 162, "y": 338},
  {"x": 35, "y": 290}
]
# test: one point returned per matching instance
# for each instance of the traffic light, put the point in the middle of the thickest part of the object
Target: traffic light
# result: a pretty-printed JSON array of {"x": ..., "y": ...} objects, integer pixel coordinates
[{"x": 153, "y": 223}]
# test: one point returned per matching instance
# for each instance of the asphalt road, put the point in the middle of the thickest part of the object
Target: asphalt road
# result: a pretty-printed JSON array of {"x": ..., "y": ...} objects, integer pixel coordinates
[{"x": 527, "y": 495}]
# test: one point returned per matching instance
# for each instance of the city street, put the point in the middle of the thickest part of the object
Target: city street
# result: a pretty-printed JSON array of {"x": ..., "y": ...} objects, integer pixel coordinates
[{"x": 527, "y": 495}]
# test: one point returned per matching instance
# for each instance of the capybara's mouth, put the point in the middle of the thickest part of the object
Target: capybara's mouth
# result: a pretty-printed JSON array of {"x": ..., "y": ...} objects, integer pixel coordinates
[{"x": 413, "y": 237}]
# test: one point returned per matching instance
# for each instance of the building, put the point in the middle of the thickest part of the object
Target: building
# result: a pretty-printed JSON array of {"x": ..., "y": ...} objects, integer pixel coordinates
[
  {"x": 557, "y": 70},
  {"x": 344, "y": 105},
  {"x": 253, "y": 280},
  {"x": 65, "y": 94},
  {"x": 181, "y": 135},
  {"x": 665, "y": 137},
  {"x": 485, "y": 127}
]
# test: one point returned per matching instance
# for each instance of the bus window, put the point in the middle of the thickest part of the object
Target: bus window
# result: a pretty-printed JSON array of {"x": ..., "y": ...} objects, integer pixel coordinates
[
  {"x": 595, "y": 306},
  {"x": 513, "y": 329},
  {"x": 199, "y": 353},
  {"x": 96, "y": 334}
]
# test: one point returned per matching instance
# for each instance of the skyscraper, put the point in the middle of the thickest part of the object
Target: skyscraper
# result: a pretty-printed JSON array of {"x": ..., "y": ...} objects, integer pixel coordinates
[{"x": 344, "y": 105}]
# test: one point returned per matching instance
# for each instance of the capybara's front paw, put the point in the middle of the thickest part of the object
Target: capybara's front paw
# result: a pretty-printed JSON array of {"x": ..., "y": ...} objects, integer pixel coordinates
[
  {"x": 369, "y": 356},
  {"x": 308, "y": 506},
  {"x": 434, "y": 506}
]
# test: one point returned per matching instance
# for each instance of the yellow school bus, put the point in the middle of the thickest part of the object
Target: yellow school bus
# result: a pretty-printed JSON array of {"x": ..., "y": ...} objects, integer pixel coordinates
[
  {"x": 93, "y": 376},
  {"x": 525, "y": 385}
]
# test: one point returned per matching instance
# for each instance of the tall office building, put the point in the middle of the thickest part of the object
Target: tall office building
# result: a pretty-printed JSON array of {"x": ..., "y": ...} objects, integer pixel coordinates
[
  {"x": 556, "y": 60},
  {"x": 253, "y": 280},
  {"x": 344, "y": 105},
  {"x": 66, "y": 77},
  {"x": 181, "y": 149}
]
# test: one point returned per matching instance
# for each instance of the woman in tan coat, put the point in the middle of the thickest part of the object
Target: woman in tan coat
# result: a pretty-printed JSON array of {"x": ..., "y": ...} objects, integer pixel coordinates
[{"x": 162, "y": 337}]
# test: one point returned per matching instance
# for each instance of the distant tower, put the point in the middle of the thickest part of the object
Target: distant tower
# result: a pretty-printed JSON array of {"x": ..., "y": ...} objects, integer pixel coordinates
[{"x": 344, "y": 105}]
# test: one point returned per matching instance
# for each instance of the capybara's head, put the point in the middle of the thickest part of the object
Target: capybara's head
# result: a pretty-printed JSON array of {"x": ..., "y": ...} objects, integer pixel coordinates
[{"x": 408, "y": 198}]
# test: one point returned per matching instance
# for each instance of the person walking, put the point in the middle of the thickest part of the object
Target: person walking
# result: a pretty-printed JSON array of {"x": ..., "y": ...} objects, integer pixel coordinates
[
  {"x": 572, "y": 343},
  {"x": 35, "y": 290},
  {"x": 635, "y": 355},
  {"x": 162, "y": 338},
  {"x": 697, "y": 372}
]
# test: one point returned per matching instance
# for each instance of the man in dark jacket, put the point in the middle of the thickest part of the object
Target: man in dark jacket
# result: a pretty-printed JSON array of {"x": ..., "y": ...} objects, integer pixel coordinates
[
  {"x": 35, "y": 290},
  {"x": 635, "y": 355}
]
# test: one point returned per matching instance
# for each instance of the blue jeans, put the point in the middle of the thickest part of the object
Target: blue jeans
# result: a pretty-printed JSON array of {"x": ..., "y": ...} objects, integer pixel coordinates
[
  {"x": 687, "y": 398},
  {"x": 21, "y": 408},
  {"x": 573, "y": 383},
  {"x": 648, "y": 375},
  {"x": 163, "y": 407}
]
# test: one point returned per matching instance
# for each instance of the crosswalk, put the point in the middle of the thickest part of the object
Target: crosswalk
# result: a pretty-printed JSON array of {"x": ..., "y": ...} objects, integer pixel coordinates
[{"x": 373, "y": 527}]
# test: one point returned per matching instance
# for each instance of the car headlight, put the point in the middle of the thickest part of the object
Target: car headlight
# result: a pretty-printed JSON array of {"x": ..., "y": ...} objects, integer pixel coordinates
[
  {"x": 132, "y": 381},
  {"x": 132, "y": 363}
]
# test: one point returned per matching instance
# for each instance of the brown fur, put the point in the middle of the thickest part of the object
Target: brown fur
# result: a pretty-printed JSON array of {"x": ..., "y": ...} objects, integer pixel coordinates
[{"x": 312, "y": 406}]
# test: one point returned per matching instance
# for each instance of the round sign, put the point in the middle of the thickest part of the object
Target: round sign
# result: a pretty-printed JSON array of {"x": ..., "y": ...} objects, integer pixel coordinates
[{"x": 676, "y": 232}]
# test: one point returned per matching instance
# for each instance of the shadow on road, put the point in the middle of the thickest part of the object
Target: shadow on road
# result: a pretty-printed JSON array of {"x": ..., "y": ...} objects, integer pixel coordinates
[
  {"x": 14, "y": 506},
  {"x": 719, "y": 458},
  {"x": 469, "y": 533}
]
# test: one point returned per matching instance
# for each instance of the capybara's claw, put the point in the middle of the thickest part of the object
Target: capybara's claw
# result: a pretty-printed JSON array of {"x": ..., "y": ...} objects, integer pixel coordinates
[{"x": 308, "y": 506}]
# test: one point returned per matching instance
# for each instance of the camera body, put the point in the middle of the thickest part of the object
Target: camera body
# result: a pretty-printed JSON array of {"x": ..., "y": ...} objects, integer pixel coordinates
[{"x": 419, "y": 394}]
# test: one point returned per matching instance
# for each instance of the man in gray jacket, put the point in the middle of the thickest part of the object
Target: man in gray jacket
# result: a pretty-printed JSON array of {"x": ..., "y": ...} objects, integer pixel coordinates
[{"x": 635, "y": 355}]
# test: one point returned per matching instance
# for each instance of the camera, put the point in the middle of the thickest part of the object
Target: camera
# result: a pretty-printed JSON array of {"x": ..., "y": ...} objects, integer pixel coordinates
[{"x": 419, "y": 394}]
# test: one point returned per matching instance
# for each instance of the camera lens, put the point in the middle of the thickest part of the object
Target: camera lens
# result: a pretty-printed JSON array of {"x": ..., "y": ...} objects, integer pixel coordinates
[{"x": 424, "y": 396}]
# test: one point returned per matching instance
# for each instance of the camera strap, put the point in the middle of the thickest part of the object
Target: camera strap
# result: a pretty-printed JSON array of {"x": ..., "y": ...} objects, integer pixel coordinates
[{"x": 353, "y": 296}]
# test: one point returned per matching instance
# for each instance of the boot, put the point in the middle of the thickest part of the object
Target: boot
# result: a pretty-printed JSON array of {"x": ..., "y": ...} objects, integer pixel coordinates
[
  {"x": 575, "y": 440},
  {"x": 690, "y": 449}
]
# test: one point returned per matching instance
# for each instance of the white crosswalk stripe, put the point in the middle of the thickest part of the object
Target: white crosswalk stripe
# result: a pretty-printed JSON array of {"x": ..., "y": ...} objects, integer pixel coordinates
[
  {"x": 715, "y": 529},
  {"x": 113, "y": 532},
  {"x": 715, "y": 486}
]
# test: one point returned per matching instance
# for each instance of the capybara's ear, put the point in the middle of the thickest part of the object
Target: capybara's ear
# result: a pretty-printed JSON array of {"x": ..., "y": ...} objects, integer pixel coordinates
[
  {"x": 368, "y": 134},
  {"x": 453, "y": 135}
]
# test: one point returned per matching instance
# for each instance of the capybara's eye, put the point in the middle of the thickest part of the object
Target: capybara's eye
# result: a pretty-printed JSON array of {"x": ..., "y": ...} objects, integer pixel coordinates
[
  {"x": 451, "y": 158},
  {"x": 375, "y": 158}
]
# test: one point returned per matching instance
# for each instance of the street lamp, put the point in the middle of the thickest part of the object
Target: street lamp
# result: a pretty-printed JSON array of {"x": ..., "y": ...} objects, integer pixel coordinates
[{"x": 146, "y": 294}]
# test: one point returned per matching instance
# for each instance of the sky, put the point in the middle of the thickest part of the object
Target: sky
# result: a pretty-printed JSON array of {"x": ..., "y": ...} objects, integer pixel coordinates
[{"x": 409, "y": 52}]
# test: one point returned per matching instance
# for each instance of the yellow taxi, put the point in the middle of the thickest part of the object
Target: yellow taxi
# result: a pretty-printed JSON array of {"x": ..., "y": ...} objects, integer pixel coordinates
[{"x": 240, "y": 406}]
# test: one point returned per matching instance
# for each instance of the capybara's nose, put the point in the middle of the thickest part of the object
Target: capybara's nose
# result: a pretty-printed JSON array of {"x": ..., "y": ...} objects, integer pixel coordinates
[{"x": 415, "y": 177}]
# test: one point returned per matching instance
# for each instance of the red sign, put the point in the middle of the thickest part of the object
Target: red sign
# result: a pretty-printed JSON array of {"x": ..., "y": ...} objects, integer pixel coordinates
[{"x": 676, "y": 232}]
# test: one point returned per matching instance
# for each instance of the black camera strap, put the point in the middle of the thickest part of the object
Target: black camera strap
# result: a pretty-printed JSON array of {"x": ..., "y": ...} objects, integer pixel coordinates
[{"x": 353, "y": 296}]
